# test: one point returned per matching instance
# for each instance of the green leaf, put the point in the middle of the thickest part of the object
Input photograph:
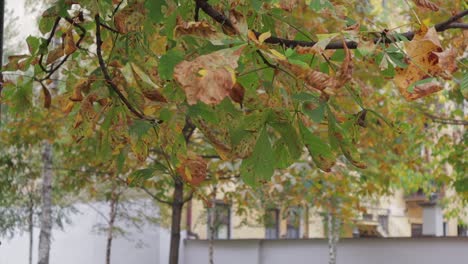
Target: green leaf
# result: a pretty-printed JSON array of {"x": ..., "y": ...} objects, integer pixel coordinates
[
  {"x": 256, "y": 4},
  {"x": 203, "y": 111},
  {"x": 260, "y": 165},
  {"x": 423, "y": 81},
  {"x": 154, "y": 8},
  {"x": 306, "y": 97},
  {"x": 317, "y": 114},
  {"x": 398, "y": 58},
  {"x": 290, "y": 138},
  {"x": 320, "y": 151},
  {"x": 318, "y": 5},
  {"x": 139, "y": 176},
  {"x": 33, "y": 44},
  {"x": 139, "y": 128},
  {"x": 464, "y": 85},
  {"x": 167, "y": 63}
]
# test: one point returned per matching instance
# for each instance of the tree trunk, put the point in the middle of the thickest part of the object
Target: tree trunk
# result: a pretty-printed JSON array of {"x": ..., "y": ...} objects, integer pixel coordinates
[
  {"x": 211, "y": 226},
  {"x": 31, "y": 226},
  {"x": 112, "y": 215},
  {"x": 177, "y": 205},
  {"x": 46, "y": 211},
  {"x": 331, "y": 240},
  {"x": 2, "y": 22}
]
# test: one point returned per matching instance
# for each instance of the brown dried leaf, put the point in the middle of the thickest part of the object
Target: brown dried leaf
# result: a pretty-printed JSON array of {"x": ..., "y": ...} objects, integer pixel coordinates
[
  {"x": 426, "y": 4},
  {"x": 69, "y": 43},
  {"x": 55, "y": 54},
  {"x": 77, "y": 96},
  {"x": 47, "y": 97},
  {"x": 427, "y": 89},
  {"x": 200, "y": 29},
  {"x": 237, "y": 93},
  {"x": 238, "y": 21},
  {"x": 447, "y": 61},
  {"x": 208, "y": 78},
  {"x": 314, "y": 79},
  {"x": 346, "y": 71}
]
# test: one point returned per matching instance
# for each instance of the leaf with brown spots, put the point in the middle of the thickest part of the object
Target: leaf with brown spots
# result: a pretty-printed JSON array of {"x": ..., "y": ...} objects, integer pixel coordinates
[
  {"x": 193, "y": 170},
  {"x": 424, "y": 62},
  {"x": 208, "y": 78},
  {"x": 146, "y": 85},
  {"x": 130, "y": 18}
]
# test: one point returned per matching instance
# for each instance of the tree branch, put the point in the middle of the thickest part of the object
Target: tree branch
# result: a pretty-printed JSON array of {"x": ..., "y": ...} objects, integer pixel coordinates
[
  {"x": 222, "y": 19},
  {"x": 53, "y": 68},
  {"x": 446, "y": 121},
  {"x": 109, "y": 81}
]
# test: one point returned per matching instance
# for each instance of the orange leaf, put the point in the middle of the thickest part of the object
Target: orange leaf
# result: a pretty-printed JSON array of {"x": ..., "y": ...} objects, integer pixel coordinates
[{"x": 423, "y": 63}]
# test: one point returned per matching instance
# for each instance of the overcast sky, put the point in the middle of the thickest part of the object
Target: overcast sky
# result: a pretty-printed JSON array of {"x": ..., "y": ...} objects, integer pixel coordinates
[{"x": 26, "y": 24}]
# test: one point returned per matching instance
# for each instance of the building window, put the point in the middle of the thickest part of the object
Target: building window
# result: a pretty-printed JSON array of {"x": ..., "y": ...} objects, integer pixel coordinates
[
  {"x": 383, "y": 221},
  {"x": 222, "y": 221},
  {"x": 462, "y": 230},
  {"x": 416, "y": 230},
  {"x": 272, "y": 224},
  {"x": 367, "y": 217},
  {"x": 293, "y": 223}
]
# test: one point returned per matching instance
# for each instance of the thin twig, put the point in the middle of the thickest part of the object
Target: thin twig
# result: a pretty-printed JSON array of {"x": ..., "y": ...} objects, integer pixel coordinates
[
  {"x": 109, "y": 81},
  {"x": 446, "y": 121}
]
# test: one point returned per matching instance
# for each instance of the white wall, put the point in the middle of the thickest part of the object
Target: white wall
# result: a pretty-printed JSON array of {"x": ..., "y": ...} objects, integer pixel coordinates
[
  {"x": 78, "y": 243},
  {"x": 427, "y": 250}
]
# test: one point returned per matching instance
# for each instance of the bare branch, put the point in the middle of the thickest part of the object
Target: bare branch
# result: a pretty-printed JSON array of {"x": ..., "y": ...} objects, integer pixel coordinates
[{"x": 222, "y": 19}]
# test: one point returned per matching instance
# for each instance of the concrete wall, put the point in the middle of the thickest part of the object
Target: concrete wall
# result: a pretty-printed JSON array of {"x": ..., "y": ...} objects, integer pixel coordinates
[
  {"x": 78, "y": 243},
  {"x": 427, "y": 250}
]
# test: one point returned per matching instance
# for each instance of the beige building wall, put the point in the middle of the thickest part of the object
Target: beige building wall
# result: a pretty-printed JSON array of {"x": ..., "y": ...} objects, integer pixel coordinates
[{"x": 402, "y": 212}]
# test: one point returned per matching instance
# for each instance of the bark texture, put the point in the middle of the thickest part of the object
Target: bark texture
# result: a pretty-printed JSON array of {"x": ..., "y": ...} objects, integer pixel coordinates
[
  {"x": 46, "y": 212},
  {"x": 177, "y": 205}
]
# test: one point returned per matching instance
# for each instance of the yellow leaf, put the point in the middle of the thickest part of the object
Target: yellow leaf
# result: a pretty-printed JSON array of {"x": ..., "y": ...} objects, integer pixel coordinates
[
  {"x": 263, "y": 37},
  {"x": 277, "y": 54}
]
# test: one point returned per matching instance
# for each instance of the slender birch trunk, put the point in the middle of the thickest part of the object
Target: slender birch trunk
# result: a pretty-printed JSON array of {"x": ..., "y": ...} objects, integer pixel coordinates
[
  {"x": 112, "y": 216},
  {"x": 31, "y": 227},
  {"x": 46, "y": 212},
  {"x": 211, "y": 225},
  {"x": 331, "y": 240}
]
